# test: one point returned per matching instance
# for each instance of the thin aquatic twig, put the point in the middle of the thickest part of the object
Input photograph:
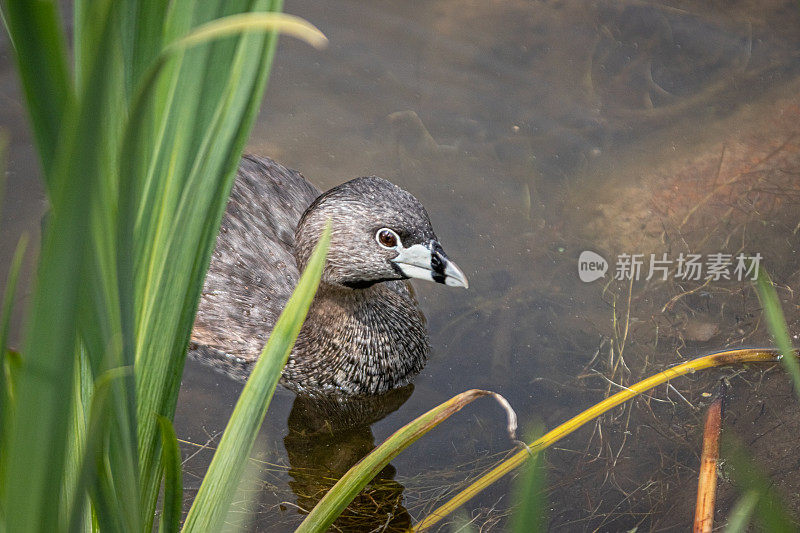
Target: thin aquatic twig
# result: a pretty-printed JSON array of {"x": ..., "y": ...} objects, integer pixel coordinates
[{"x": 681, "y": 396}]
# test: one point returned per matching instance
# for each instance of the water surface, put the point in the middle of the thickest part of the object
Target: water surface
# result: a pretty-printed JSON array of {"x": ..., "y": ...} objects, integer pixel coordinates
[{"x": 533, "y": 132}]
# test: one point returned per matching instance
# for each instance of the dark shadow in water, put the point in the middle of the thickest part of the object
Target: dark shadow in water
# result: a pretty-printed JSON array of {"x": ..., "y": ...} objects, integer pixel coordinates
[{"x": 328, "y": 436}]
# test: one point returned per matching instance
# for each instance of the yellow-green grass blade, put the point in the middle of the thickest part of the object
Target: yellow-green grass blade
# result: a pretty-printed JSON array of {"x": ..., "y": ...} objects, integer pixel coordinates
[
  {"x": 207, "y": 136},
  {"x": 41, "y": 58},
  {"x": 350, "y": 484},
  {"x": 222, "y": 478},
  {"x": 34, "y": 464},
  {"x": 251, "y": 22},
  {"x": 173, "y": 478},
  {"x": 728, "y": 357},
  {"x": 776, "y": 322},
  {"x": 101, "y": 320},
  {"x": 98, "y": 305}
]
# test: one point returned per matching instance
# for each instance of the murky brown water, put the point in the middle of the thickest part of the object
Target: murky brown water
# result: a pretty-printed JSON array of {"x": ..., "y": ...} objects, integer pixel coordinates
[{"x": 533, "y": 131}]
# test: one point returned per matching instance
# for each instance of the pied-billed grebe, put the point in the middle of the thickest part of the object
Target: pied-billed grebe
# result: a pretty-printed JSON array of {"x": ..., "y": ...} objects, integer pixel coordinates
[{"x": 364, "y": 333}]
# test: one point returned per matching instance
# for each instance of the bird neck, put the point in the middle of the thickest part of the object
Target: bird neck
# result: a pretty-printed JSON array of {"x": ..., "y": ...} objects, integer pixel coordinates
[{"x": 361, "y": 341}]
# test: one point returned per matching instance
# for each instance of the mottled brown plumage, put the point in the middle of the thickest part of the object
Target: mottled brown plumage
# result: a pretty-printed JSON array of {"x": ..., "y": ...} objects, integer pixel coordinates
[{"x": 364, "y": 333}]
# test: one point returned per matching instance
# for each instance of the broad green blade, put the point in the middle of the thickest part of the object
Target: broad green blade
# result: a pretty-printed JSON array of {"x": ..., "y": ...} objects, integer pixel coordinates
[
  {"x": 222, "y": 478},
  {"x": 355, "y": 479},
  {"x": 37, "y": 449},
  {"x": 99, "y": 317},
  {"x": 41, "y": 56},
  {"x": 143, "y": 37},
  {"x": 173, "y": 478},
  {"x": 174, "y": 222},
  {"x": 139, "y": 154},
  {"x": 212, "y": 94}
]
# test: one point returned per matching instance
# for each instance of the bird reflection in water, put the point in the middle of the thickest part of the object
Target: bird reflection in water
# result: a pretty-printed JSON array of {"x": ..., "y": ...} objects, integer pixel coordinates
[{"x": 326, "y": 437}]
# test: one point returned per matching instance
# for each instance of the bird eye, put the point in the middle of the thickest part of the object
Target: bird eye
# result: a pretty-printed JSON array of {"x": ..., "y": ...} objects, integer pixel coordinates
[{"x": 387, "y": 238}]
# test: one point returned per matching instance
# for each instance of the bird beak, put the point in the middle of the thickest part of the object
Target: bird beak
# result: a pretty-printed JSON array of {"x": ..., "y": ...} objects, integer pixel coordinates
[{"x": 428, "y": 261}]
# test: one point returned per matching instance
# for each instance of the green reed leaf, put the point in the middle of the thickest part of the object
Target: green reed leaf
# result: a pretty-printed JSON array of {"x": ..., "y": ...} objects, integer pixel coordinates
[
  {"x": 776, "y": 322},
  {"x": 173, "y": 477},
  {"x": 182, "y": 162},
  {"x": 73, "y": 157},
  {"x": 222, "y": 479},
  {"x": 41, "y": 57}
]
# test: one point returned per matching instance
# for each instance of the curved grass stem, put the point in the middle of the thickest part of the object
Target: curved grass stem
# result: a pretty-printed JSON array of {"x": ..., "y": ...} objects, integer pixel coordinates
[
  {"x": 349, "y": 485},
  {"x": 728, "y": 357}
]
